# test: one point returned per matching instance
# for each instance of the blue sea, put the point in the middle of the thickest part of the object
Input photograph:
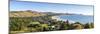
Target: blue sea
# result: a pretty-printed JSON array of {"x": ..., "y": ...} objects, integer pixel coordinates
[{"x": 77, "y": 18}]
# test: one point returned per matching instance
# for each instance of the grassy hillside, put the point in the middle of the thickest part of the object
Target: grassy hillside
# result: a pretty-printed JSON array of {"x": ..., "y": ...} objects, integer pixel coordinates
[{"x": 25, "y": 14}]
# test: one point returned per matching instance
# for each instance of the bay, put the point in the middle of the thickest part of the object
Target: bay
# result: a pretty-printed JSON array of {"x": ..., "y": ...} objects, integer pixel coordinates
[{"x": 77, "y": 18}]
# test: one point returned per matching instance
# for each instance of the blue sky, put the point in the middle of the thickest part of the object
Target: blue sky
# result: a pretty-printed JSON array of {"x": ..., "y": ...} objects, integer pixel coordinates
[{"x": 50, "y": 7}]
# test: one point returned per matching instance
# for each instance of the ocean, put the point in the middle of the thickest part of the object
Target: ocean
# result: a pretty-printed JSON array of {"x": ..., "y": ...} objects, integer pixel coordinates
[{"x": 76, "y": 18}]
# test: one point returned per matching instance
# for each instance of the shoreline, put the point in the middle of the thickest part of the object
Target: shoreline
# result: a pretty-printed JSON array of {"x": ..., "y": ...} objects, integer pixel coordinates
[
  {"x": 59, "y": 19},
  {"x": 56, "y": 17},
  {"x": 70, "y": 21}
]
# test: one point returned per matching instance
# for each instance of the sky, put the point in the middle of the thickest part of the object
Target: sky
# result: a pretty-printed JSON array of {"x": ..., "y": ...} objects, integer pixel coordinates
[
  {"x": 82, "y": 2},
  {"x": 51, "y": 7}
]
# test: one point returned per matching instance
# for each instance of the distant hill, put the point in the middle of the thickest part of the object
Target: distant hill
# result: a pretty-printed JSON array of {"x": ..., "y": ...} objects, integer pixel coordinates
[
  {"x": 29, "y": 13},
  {"x": 25, "y": 14}
]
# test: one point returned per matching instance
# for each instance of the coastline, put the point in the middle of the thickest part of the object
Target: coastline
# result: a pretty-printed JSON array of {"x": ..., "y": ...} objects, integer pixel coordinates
[
  {"x": 56, "y": 17},
  {"x": 59, "y": 19}
]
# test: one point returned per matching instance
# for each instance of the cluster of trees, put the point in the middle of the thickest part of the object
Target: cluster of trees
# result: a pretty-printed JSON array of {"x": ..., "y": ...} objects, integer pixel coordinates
[
  {"x": 45, "y": 23},
  {"x": 18, "y": 23}
]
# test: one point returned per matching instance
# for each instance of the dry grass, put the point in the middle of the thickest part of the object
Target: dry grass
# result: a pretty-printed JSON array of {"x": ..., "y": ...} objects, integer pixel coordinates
[{"x": 25, "y": 14}]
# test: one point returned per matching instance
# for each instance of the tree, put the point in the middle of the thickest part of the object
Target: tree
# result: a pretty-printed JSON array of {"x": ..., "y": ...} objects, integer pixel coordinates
[
  {"x": 77, "y": 25},
  {"x": 89, "y": 25}
]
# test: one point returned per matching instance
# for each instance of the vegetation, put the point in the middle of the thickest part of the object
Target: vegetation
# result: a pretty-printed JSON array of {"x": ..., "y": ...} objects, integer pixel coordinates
[{"x": 43, "y": 23}]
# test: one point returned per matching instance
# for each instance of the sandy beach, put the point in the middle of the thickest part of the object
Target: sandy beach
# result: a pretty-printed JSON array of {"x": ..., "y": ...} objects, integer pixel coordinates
[{"x": 59, "y": 19}]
